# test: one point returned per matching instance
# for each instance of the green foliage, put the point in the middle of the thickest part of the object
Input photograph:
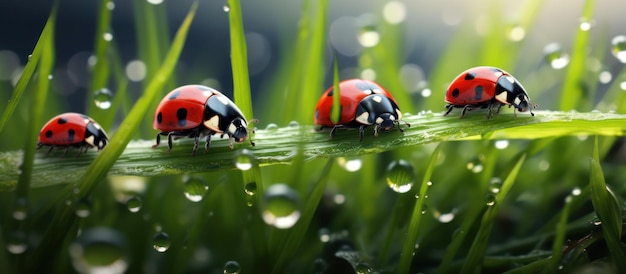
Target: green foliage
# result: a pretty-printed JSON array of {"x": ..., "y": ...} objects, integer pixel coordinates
[{"x": 446, "y": 195}]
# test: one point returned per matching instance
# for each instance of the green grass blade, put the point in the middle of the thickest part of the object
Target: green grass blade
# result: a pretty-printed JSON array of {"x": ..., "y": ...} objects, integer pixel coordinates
[
  {"x": 101, "y": 70},
  {"x": 33, "y": 60},
  {"x": 559, "y": 239},
  {"x": 239, "y": 59},
  {"x": 281, "y": 144},
  {"x": 335, "y": 112},
  {"x": 313, "y": 67},
  {"x": 608, "y": 208},
  {"x": 476, "y": 254},
  {"x": 416, "y": 217},
  {"x": 297, "y": 233},
  {"x": 105, "y": 160},
  {"x": 572, "y": 93}
]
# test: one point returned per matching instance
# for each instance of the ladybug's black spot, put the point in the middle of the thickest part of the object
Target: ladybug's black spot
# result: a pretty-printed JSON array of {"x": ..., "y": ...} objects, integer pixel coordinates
[
  {"x": 61, "y": 121},
  {"x": 181, "y": 114},
  {"x": 49, "y": 134},
  {"x": 174, "y": 94},
  {"x": 455, "y": 92},
  {"x": 159, "y": 118},
  {"x": 470, "y": 76},
  {"x": 70, "y": 135},
  {"x": 479, "y": 92}
]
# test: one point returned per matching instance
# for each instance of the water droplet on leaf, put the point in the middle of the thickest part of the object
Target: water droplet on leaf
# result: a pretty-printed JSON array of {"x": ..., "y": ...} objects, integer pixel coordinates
[
  {"x": 555, "y": 56},
  {"x": 232, "y": 267},
  {"x": 280, "y": 206},
  {"x": 161, "y": 242},
  {"x": 400, "y": 176},
  {"x": 134, "y": 204},
  {"x": 195, "y": 189},
  {"x": 99, "y": 250},
  {"x": 102, "y": 98},
  {"x": 618, "y": 47},
  {"x": 244, "y": 159}
]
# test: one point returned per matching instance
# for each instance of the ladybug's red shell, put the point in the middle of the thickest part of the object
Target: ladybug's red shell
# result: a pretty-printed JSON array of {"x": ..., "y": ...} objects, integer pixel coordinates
[
  {"x": 474, "y": 86},
  {"x": 196, "y": 111},
  {"x": 486, "y": 87},
  {"x": 351, "y": 92},
  {"x": 182, "y": 108},
  {"x": 72, "y": 130}
]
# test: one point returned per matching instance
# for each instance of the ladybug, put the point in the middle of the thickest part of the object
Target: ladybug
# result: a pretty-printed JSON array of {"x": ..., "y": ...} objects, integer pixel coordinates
[
  {"x": 196, "y": 111},
  {"x": 363, "y": 103},
  {"x": 486, "y": 87},
  {"x": 72, "y": 130}
]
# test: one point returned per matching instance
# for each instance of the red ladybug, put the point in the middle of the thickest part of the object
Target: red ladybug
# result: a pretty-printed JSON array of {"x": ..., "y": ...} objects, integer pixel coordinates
[
  {"x": 195, "y": 111},
  {"x": 363, "y": 103},
  {"x": 486, "y": 87},
  {"x": 72, "y": 130}
]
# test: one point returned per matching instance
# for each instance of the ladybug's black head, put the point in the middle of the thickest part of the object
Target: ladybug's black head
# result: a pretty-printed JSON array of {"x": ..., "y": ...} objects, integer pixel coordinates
[
  {"x": 238, "y": 130},
  {"x": 386, "y": 121},
  {"x": 95, "y": 136}
]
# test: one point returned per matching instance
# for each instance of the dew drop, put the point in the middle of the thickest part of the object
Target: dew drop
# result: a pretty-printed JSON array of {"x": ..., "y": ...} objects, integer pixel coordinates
[
  {"x": 232, "y": 267},
  {"x": 362, "y": 268},
  {"x": 324, "y": 235},
  {"x": 195, "y": 189},
  {"x": 490, "y": 199},
  {"x": 495, "y": 184},
  {"x": 622, "y": 85},
  {"x": 110, "y": 5},
  {"x": 445, "y": 218},
  {"x": 576, "y": 191},
  {"x": 250, "y": 188},
  {"x": 400, "y": 176},
  {"x": 244, "y": 159},
  {"x": 134, "y": 204},
  {"x": 280, "y": 206},
  {"x": 226, "y": 7},
  {"x": 350, "y": 165},
  {"x": 161, "y": 242},
  {"x": 426, "y": 92},
  {"x": 294, "y": 124},
  {"x": 107, "y": 36},
  {"x": 271, "y": 127},
  {"x": 502, "y": 144},
  {"x": 99, "y": 250},
  {"x": 20, "y": 209},
  {"x": 605, "y": 77},
  {"x": 585, "y": 24},
  {"x": 555, "y": 56},
  {"x": 102, "y": 98},
  {"x": 155, "y": 2},
  {"x": 394, "y": 12},
  {"x": 83, "y": 208},
  {"x": 50, "y": 76},
  {"x": 618, "y": 47},
  {"x": 16, "y": 242}
]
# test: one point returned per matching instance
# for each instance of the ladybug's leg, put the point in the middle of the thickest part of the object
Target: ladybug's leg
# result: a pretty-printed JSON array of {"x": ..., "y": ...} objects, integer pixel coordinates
[
  {"x": 39, "y": 145},
  {"x": 158, "y": 140},
  {"x": 465, "y": 109},
  {"x": 449, "y": 108},
  {"x": 49, "y": 150},
  {"x": 207, "y": 142},
  {"x": 169, "y": 140},
  {"x": 332, "y": 131},
  {"x": 362, "y": 132}
]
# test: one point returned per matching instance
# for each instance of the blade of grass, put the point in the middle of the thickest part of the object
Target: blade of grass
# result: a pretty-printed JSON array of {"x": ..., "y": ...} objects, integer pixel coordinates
[
  {"x": 608, "y": 209},
  {"x": 476, "y": 254},
  {"x": 101, "y": 70},
  {"x": 416, "y": 217},
  {"x": 100, "y": 166},
  {"x": 29, "y": 70},
  {"x": 559, "y": 239},
  {"x": 335, "y": 111},
  {"x": 297, "y": 233},
  {"x": 280, "y": 145},
  {"x": 239, "y": 59},
  {"x": 572, "y": 93}
]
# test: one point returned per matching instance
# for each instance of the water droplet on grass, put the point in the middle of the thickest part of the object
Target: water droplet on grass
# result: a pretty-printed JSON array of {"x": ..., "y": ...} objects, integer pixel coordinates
[
  {"x": 368, "y": 37},
  {"x": 618, "y": 47},
  {"x": 16, "y": 242},
  {"x": 350, "y": 165},
  {"x": 226, "y": 7},
  {"x": 244, "y": 159},
  {"x": 400, "y": 176},
  {"x": 586, "y": 24},
  {"x": 161, "y": 242},
  {"x": 20, "y": 209},
  {"x": 232, "y": 267},
  {"x": 294, "y": 124},
  {"x": 502, "y": 144},
  {"x": 83, "y": 208},
  {"x": 155, "y": 2},
  {"x": 490, "y": 199},
  {"x": 555, "y": 56},
  {"x": 134, "y": 204},
  {"x": 271, "y": 127},
  {"x": 99, "y": 250},
  {"x": 280, "y": 206},
  {"x": 362, "y": 268},
  {"x": 102, "y": 98},
  {"x": 195, "y": 189},
  {"x": 107, "y": 36},
  {"x": 250, "y": 188},
  {"x": 517, "y": 33},
  {"x": 576, "y": 191},
  {"x": 605, "y": 77},
  {"x": 495, "y": 184}
]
